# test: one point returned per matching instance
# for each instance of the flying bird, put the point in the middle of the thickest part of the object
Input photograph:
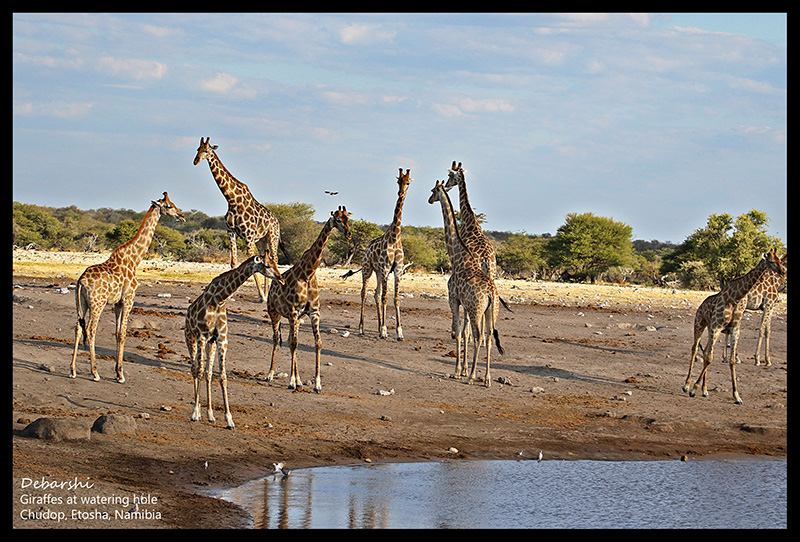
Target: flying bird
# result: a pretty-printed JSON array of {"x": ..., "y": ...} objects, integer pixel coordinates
[{"x": 331, "y": 193}]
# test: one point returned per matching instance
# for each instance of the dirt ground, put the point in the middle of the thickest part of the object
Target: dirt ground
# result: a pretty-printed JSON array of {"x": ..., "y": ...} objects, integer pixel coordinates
[{"x": 588, "y": 372}]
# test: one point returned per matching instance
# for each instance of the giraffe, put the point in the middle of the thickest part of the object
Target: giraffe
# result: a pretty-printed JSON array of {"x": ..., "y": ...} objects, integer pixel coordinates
[
  {"x": 472, "y": 234},
  {"x": 722, "y": 312},
  {"x": 471, "y": 288},
  {"x": 384, "y": 255},
  {"x": 246, "y": 217},
  {"x": 299, "y": 295},
  {"x": 207, "y": 326},
  {"x": 764, "y": 297},
  {"x": 114, "y": 281}
]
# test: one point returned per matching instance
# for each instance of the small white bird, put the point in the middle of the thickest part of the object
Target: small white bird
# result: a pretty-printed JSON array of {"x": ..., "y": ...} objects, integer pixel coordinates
[
  {"x": 205, "y": 465},
  {"x": 277, "y": 467},
  {"x": 540, "y": 455}
]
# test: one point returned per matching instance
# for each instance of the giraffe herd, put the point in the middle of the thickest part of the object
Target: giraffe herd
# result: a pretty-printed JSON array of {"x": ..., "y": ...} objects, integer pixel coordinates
[{"x": 295, "y": 293}]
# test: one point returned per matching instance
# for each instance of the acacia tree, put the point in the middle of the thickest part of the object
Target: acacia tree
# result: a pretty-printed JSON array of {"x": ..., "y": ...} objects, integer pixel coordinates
[
  {"x": 726, "y": 247},
  {"x": 588, "y": 245}
]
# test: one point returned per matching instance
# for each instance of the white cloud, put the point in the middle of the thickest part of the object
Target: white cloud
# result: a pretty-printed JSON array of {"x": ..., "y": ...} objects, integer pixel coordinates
[
  {"x": 464, "y": 106},
  {"x": 365, "y": 34},
  {"x": 225, "y": 83},
  {"x": 132, "y": 68},
  {"x": 60, "y": 110}
]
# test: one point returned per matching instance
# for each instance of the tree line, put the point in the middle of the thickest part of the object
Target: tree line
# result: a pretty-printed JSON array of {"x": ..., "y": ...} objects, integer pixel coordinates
[{"x": 585, "y": 248}]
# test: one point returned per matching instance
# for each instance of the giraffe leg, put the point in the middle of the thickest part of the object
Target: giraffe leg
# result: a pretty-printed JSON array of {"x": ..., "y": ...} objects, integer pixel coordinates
[
  {"x": 211, "y": 352},
  {"x": 380, "y": 302},
  {"x": 318, "y": 351},
  {"x": 396, "y": 306},
  {"x": 698, "y": 333},
  {"x": 223, "y": 378},
  {"x": 733, "y": 361},
  {"x": 91, "y": 332},
  {"x": 458, "y": 335},
  {"x": 232, "y": 240},
  {"x": 767, "y": 330},
  {"x": 701, "y": 380},
  {"x": 294, "y": 327},
  {"x": 196, "y": 349},
  {"x": 122, "y": 310},
  {"x": 476, "y": 347},
  {"x": 78, "y": 333},
  {"x": 366, "y": 272},
  {"x": 763, "y": 336},
  {"x": 276, "y": 340}
]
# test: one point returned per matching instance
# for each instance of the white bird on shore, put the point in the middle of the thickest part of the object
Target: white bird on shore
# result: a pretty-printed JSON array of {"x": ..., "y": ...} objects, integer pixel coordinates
[
  {"x": 540, "y": 455},
  {"x": 277, "y": 467}
]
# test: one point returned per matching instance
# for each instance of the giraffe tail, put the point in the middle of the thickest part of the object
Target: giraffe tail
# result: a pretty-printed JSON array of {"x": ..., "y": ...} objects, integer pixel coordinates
[
  {"x": 351, "y": 273},
  {"x": 82, "y": 308},
  {"x": 497, "y": 342},
  {"x": 285, "y": 253},
  {"x": 503, "y": 301}
]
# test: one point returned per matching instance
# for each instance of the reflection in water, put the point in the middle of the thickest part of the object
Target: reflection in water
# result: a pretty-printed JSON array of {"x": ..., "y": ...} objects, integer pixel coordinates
[{"x": 522, "y": 494}]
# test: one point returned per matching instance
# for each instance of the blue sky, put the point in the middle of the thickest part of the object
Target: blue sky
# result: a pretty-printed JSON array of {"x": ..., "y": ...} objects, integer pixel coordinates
[{"x": 655, "y": 120}]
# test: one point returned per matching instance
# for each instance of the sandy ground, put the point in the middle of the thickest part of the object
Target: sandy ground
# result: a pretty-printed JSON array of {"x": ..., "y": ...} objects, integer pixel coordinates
[{"x": 588, "y": 372}]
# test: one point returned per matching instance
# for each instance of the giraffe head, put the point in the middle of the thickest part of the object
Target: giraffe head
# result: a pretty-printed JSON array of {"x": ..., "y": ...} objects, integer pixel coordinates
[
  {"x": 341, "y": 221},
  {"x": 775, "y": 263},
  {"x": 265, "y": 265},
  {"x": 454, "y": 175},
  {"x": 402, "y": 182},
  {"x": 262, "y": 246},
  {"x": 204, "y": 150},
  {"x": 437, "y": 193},
  {"x": 168, "y": 208}
]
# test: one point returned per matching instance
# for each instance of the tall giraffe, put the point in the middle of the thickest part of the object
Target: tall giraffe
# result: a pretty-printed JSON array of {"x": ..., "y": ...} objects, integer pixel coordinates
[
  {"x": 471, "y": 287},
  {"x": 114, "y": 281},
  {"x": 299, "y": 295},
  {"x": 207, "y": 326},
  {"x": 383, "y": 256},
  {"x": 722, "y": 312},
  {"x": 764, "y": 297},
  {"x": 246, "y": 217},
  {"x": 472, "y": 234}
]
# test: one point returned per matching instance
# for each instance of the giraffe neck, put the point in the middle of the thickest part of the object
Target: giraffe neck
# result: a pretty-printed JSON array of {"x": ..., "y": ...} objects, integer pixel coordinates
[
  {"x": 393, "y": 233},
  {"x": 309, "y": 262},
  {"x": 132, "y": 252},
  {"x": 469, "y": 221},
  {"x": 739, "y": 288},
  {"x": 222, "y": 287},
  {"x": 456, "y": 248},
  {"x": 228, "y": 184}
]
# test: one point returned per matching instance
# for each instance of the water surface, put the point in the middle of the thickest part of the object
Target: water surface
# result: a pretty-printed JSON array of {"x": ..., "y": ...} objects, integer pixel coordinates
[{"x": 748, "y": 494}]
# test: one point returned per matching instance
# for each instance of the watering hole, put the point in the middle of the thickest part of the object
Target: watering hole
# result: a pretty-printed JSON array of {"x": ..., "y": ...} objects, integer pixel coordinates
[{"x": 525, "y": 494}]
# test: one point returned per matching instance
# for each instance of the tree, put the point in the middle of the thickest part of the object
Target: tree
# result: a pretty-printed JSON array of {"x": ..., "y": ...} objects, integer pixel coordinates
[
  {"x": 520, "y": 255},
  {"x": 587, "y": 245},
  {"x": 727, "y": 248}
]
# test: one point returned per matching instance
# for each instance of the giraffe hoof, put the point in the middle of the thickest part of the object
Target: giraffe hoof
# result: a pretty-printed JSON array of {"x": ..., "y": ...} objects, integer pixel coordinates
[{"x": 96, "y": 378}]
